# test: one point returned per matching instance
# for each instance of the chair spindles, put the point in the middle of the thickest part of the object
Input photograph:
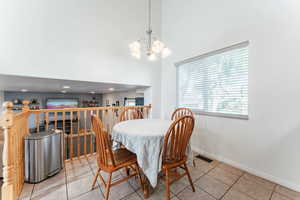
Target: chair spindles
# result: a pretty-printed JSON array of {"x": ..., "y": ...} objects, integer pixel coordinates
[{"x": 175, "y": 147}]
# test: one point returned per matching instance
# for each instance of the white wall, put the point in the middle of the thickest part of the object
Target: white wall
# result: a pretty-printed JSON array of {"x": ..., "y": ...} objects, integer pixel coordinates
[
  {"x": 78, "y": 40},
  {"x": 119, "y": 96},
  {"x": 267, "y": 144}
]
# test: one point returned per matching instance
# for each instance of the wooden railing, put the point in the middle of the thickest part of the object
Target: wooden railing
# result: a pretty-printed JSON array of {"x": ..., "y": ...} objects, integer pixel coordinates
[
  {"x": 15, "y": 128},
  {"x": 75, "y": 123}
]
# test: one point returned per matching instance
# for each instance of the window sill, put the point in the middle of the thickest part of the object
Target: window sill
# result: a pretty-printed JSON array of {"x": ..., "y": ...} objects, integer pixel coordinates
[{"x": 224, "y": 115}]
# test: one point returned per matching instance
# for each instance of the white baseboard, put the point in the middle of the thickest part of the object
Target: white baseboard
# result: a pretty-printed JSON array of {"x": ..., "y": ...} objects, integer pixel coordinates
[{"x": 249, "y": 170}]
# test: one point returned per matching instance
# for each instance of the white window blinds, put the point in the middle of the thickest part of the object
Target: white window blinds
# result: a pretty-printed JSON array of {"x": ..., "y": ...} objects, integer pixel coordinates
[{"x": 215, "y": 83}]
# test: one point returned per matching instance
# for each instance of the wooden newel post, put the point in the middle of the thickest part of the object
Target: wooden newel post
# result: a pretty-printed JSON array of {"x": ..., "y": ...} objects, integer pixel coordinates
[
  {"x": 6, "y": 122},
  {"x": 25, "y": 105}
]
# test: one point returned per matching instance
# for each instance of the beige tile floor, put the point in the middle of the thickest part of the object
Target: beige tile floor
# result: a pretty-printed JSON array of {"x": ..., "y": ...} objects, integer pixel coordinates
[{"x": 212, "y": 181}]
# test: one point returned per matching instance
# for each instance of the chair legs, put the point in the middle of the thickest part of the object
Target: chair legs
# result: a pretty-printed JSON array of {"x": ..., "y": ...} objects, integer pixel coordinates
[
  {"x": 127, "y": 170},
  {"x": 139, "y": 174},
  {"x": 167, "y": 184},
  {"x": 95, "y": 178},
  {"x": 108, "y": 185},
  {"x": 189, "y": 176}
]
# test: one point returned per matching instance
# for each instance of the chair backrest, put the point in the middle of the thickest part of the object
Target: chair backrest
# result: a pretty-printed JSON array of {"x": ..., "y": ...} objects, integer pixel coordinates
[
  {"x": 177, "y": 139},
  {"x": 105, "y": 157},
  {"x": 180, "y": 112},
  {"x": 131, "y": 114}
]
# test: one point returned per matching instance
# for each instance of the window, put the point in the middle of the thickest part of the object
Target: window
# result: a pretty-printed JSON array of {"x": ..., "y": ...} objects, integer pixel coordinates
[{"x": 215, "y": 83}]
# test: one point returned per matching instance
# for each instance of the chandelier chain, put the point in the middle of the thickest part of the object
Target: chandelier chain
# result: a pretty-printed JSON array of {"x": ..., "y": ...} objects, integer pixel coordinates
[{"x": 149, "y": 15}]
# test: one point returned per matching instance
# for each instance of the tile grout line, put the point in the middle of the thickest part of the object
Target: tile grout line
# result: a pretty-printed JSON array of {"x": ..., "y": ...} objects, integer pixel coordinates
[
  {"x": 205, "y": 173},
  {"x": 271, "y": 195},
  {"x": 244, "y": 172},
  {"x": 124, "y": 198},
  {"x": 31, "y": 193},
  {"x": 194, "y": 181},
  {"x": 244, "y": 192},
  {"x": 221, "y": 181},
  {"x": 273, "y": 191},
  {"x": 89, "y": 163},
  {"x": 66, "y": 181},
  {"x": 232, "y": 186},
  {"x": 279, "y": 193},
  {"x": 87, "y": 191},
  {"x": 134, "y": 190},
  {"x": 131, "y": 184}
]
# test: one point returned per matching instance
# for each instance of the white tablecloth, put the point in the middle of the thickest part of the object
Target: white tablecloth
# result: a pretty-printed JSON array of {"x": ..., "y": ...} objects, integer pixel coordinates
[{"x": 145, "y": 138}]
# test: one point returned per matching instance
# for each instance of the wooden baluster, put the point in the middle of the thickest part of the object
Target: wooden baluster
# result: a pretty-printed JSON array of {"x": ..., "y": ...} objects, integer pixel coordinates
[
  {"x": 25, "y": 105},
  {"x": 37, "y": 122},
  {"x": 78, "y": 135},
  {"x": 6, "y": 122},
  {"x": 64, "y": 121},
  {"x": 111, "y": 123},
  {"x": 98, "y": 116},
  {"x": 71, "y": 136},
  {"x": 108, "y": 121},
  {"x": 112, "y": 117},
  {"x": 85, "y": 131},
  {"x": 90, "y": 133},
  {"x": 97, "y": 113},
  {"x": 64, "y": 133},
  {"x": 55, "y": 120},
  {"x": 105, "y": 113},
  {"x": 47, "y": 121},
  {"x": 116, "y": 116},
  {"x": 26, "y": 109}
]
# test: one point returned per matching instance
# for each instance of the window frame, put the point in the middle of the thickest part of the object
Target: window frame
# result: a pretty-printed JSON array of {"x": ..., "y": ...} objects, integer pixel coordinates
[{"x": 212, "y": 53}]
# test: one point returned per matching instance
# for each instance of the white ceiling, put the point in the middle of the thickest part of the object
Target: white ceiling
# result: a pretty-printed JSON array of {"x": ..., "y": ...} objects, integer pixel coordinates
[{"x": 32, "y": 84}]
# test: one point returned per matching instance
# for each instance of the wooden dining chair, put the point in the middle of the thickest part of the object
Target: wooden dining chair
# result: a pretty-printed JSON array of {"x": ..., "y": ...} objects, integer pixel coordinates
[
  {"x": 111, "y": 161},
  {"x": 180, "y": 112},
  {"x": 174, "y": 150},
  {"x": 131, "y": 114}
]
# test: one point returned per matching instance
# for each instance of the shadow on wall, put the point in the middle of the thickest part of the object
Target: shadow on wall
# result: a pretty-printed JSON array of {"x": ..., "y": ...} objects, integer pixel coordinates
[
  {"x": 286, "y": 164},
  {"x": 274, "y": 155}
]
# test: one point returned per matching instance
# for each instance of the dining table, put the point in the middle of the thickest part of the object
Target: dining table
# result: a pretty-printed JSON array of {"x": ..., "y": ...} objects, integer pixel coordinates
[{"x": 145, "y": 138}]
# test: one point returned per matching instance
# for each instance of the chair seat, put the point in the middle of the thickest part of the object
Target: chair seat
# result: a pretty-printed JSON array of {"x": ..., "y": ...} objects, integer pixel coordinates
[
  {"x": 123, "y": 156},
  {"x": 170, "y": 163},
  {"x": 111, "y": 161}
]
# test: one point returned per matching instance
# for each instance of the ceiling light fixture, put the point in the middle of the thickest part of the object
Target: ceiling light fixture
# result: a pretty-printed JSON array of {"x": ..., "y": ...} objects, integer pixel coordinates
[
  {"x": 64, "y": 91},
  {"x": 66, "y": 87},
  {"x": 111, "y": 89},
  {"x": 24, "y": 90},
  {"x": 92, "y": 92},
  {"x": 151, "y": 45}
]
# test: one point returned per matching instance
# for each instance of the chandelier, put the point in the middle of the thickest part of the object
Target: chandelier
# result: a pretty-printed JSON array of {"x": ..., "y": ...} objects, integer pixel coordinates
[{"x": 152, "y": 47}]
